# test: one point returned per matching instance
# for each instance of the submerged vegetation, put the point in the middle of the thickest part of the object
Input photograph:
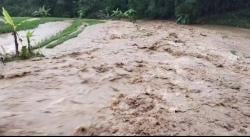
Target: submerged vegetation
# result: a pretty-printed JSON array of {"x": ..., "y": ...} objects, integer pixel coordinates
[
  {"x": 30, "y": 51},
  {"x": 26, "y": 51}
]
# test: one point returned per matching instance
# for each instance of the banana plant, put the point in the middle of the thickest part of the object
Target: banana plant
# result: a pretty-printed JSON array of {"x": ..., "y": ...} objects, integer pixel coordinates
[
  {"x": 9, "y": 21},
  {"x": 130, "y": 14},
  {"x": 29, "y": 35}
]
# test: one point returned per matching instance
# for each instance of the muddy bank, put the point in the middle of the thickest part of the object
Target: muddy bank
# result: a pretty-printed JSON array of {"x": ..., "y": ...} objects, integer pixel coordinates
[
  {"x": 42, "y": 32},
  {"x": 119, "y": 78}
]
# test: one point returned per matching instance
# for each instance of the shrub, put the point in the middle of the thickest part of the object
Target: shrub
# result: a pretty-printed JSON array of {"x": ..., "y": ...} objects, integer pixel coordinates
[
  {"x": 117, "y": 14},
  {"x": 130, "y": 14},
  {"x": 82, "y": 13},
  {"x": 41, "y": 12}
]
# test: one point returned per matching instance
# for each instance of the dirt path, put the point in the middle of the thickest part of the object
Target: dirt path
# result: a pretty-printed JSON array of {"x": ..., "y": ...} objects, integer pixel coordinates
[
  {"x": 42, "y": 32},
  {"x": 119, "y": 78}
]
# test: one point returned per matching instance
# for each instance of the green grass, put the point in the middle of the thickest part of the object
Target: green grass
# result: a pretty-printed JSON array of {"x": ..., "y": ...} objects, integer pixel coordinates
[
  {"x": 25, "y": 25},
  {"x": 64, "y": 38},
  {"x": 239, "y": 18},
  {"x": 71, "y": 32}
]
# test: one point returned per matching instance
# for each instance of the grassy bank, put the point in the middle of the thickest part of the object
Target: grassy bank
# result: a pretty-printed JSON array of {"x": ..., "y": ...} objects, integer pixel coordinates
[
  {"x": 71, "y": 32},
  {"x": 239, "y": 18},
  {"x": 25, "y": 23}
]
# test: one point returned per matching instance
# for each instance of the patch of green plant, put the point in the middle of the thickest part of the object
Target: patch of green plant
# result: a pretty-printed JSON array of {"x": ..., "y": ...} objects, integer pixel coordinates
[
  {"x": 17, "y": 20},
  {"x": 71, "y": 32},
  {"x": 26, "y": 51},
  {"x": 29, "y": 35},
  {"x": 117, "y": 14},
  {"x": 65, "y": 38},
  {"x": 23, "y": 24},
  {"x": 42, "y": 12},
  {"x": 61, "y": 36},
  {"x": 129, "y": 14},
  {"x": 82, "y": 13},
  {"x": 13, "y": 27},
  {"x": 22, "y": 56},
  {"x": 25, "y": 54}
]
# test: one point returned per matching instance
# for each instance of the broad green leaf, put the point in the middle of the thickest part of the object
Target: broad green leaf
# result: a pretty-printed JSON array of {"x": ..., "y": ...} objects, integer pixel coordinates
[{"x": 8, "y": 20}]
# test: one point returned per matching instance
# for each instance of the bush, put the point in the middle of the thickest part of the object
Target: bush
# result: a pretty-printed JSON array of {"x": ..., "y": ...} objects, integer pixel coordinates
[
  {"x": 41, "y": 12},
  {"x": 129, "y": 14},
  {"x": 82, "y": 13},
  {"x": 117, "y": 14}
]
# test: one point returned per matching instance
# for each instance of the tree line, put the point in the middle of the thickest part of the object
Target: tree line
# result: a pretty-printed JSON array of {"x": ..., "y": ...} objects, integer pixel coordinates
[{"x": 186, "y": 11}]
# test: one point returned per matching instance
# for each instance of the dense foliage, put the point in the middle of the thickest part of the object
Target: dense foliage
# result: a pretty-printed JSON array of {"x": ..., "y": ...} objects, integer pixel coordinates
[{"x": 186, "y": 11}]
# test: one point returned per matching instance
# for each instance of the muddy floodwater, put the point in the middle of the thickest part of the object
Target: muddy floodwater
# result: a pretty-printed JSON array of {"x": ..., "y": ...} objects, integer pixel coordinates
[{"x": 120, "y": 78}]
